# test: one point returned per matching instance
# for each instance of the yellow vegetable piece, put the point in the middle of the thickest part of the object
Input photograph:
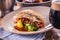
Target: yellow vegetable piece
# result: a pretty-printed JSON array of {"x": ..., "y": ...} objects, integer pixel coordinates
[{"x": 19, "y": 24}]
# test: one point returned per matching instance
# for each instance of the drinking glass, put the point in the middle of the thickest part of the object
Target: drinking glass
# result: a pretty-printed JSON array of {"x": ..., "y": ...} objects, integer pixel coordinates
[
  {"x": 54, "y": 18},
  {"x": 6, "y": 6}
]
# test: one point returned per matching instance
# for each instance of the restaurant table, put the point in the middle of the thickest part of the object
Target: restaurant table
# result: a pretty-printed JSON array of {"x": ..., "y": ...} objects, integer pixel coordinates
[{"x": 49, "y": 33}]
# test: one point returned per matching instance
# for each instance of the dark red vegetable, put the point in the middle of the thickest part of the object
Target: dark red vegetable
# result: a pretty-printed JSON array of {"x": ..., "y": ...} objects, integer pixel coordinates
[{"x": 39, "y": 24}]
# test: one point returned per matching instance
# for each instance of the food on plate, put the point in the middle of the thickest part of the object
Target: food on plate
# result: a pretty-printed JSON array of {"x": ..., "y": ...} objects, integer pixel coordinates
[{"x": 28, "y": 20}]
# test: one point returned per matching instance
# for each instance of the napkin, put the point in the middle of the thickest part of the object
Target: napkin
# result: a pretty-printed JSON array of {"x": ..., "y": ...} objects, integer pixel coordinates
[{"x": 10, "y": 36}]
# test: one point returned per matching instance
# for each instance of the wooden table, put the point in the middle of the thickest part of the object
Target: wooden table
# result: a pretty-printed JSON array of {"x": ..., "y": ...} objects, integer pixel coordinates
[
  {"x": 48, "y": 35},
  {"x": 0, "y": 21}
]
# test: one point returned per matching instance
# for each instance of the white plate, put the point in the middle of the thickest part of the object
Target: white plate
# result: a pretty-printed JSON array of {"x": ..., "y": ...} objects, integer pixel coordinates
[{"x": 7, "y": 21}]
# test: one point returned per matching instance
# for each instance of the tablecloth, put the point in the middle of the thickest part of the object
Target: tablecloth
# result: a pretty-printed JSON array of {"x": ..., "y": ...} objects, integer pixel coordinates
[{"x": 10, "y": 36}]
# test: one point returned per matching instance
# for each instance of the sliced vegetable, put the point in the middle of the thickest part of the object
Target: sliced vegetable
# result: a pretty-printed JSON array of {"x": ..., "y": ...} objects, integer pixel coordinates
[
  {"x": 34, "y": 28},
  {"x": 19, "y": 24},
  {"x": 31, "y": 27}
]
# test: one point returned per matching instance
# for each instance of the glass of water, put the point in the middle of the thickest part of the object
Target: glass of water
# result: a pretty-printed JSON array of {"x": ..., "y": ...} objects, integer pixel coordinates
[{"x": 6, "y": 6}]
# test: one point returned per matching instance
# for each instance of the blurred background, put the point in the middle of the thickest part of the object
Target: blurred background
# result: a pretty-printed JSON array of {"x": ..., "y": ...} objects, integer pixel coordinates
[{"x": 32, "y": 1}]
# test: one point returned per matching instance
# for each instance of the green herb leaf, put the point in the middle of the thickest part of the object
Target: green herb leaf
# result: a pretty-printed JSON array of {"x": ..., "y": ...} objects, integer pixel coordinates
[{"x": 31, "y": 27}]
